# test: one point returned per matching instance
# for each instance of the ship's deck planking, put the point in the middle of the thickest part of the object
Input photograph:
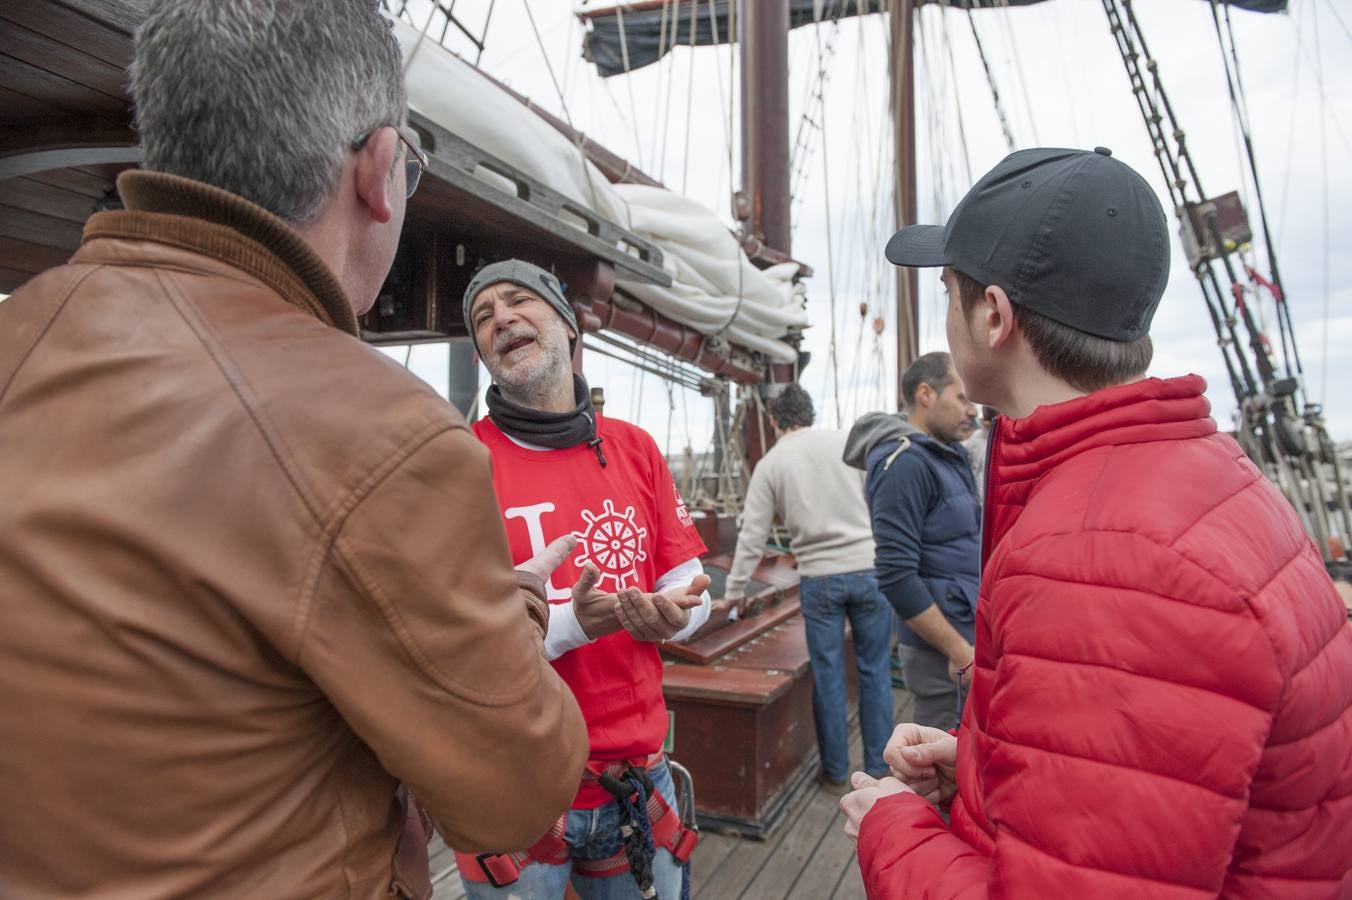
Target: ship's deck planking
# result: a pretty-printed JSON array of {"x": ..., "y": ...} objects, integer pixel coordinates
[{"x": 807, "y": 857}]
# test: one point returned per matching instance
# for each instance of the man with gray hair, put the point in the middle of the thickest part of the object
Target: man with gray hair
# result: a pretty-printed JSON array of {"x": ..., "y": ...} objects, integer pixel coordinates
[{"x": 257, "y": 592}]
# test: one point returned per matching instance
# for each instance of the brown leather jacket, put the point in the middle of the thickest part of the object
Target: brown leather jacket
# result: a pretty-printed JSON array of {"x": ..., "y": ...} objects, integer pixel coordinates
[{"x": 252, "y": 576}]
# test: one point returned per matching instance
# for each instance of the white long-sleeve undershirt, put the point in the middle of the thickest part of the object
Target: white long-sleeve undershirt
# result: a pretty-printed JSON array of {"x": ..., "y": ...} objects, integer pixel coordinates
[{"x": 565, "y": 632}]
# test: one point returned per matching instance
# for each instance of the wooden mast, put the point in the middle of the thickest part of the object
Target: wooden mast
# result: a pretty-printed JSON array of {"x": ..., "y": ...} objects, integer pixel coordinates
[
  {"x": 763, "y": 31},
  {"x": 764, "y": 27},
  {"x": 901, "y": 15}
]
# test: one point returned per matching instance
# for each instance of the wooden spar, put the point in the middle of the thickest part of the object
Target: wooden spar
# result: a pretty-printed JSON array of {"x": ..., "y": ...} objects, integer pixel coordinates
[
  {"x": 603, "y": 310},
  {"x": 764, "y": 27},
  {"x": 639, "y": 6},
  {"x": 763, "y": 203},
  {"x": 901, "y": 15}
]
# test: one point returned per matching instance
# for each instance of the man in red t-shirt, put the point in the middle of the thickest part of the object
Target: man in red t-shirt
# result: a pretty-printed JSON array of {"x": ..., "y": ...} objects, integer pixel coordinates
[{"x": 559, "y": 469}]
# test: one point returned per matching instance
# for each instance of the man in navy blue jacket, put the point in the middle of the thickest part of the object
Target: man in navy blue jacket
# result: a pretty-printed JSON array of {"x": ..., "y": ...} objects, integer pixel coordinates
[{"x": 926, "y": 519}]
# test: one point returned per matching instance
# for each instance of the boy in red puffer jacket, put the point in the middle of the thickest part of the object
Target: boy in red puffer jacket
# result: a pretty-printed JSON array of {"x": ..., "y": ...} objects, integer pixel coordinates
[{"x": 1161, "y": 700}]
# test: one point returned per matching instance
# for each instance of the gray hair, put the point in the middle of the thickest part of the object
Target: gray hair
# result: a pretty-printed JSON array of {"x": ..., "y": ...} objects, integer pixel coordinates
[{"x": 262, "y": 98}]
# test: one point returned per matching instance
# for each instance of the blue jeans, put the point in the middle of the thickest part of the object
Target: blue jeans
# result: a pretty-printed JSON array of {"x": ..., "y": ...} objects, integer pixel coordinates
[
  {"x": 826, "y": 602},
  {"x": 592, "y": 834}
]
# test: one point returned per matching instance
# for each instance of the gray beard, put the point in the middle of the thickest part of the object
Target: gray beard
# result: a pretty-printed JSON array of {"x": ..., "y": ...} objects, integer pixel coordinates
[{"x": 539, "y": 384}]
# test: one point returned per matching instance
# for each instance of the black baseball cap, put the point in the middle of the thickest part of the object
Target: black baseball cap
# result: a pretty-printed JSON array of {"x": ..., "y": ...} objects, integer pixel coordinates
[{"x": 1072, "y": 234}]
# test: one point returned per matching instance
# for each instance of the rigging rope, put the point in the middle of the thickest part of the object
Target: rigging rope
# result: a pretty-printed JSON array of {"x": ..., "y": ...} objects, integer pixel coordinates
[
  {"x": 1293, "y": 106},
  {"x": 671, "y": 415},
  {"x": 873, "y": 214},
  {"x": 1324, "y": 167},
  {"x": 1333, "y": 8},
  {"x": 990, "y": 80},
  {"x": 568, "y": 56},
  {"x": 957, "y": 99},
  {"x": 881, "y": 225},
  {"x": 689, "y": 96},
  {"x": 666, "y": 120},
  {"x": 1239, "y": 106},
  {"x": 671, "y": 80},
  {"x": 732, "y": 101},
  {"x": 628, "y": 83},
  {"x": 830, "y": 251},
  {"x": 727, "y": 139},
  {"x": 662, "y": 67},
  {"x": 940, "y": 161},
  {"x": 422, "y": 35},
  {"x": 813, "y": 100},
  {"x": 1018, "y": 67},
  {"x": 725, "y": 102},
  {"x": 1271, "y": 430},
  {"x": 563, "y": 103},
  {"x": 934, "y": 153},
  {"x": 1241, "y": 378},
  {"x": 638, "y": 359}
]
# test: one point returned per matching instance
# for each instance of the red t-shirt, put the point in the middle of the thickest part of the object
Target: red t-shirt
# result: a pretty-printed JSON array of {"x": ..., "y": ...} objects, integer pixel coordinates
[{"x": 631, "y": 523}]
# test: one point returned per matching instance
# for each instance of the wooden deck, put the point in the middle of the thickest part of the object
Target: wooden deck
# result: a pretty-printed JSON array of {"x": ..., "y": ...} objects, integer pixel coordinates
[{"x": 807, "y": 856}]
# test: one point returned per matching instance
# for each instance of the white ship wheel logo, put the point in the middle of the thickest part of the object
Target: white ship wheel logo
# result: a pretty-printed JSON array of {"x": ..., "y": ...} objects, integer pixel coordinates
[{"x": 613, "y": 543}]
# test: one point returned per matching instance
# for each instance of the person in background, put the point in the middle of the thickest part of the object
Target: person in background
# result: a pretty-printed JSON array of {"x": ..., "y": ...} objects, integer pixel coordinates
[
  {"x": 804, "y": 483},
  {"x": 1341, "y": 573},
  {"x": 257, "y": 592},
  {"x": 926, "y": 521},
  {"x": 975, "y": 446},
  {"x": 1162, "y": 697},
  {"x": 637, "y": 581}
]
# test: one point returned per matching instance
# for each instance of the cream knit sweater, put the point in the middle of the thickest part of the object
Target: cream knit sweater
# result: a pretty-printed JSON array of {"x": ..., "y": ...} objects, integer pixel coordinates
[{"x": 804, "y": 482}]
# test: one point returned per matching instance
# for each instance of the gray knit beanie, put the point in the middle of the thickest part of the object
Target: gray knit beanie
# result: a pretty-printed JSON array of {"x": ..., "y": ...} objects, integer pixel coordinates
[{"x": 532, "y": 278}]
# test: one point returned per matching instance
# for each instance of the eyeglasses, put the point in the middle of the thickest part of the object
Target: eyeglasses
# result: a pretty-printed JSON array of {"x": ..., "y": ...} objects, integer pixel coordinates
[{"x": 414, "y": 162}]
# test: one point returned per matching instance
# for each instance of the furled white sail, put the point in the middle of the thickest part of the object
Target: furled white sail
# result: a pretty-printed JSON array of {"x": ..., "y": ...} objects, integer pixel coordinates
[{"x": 715, "y": 288}]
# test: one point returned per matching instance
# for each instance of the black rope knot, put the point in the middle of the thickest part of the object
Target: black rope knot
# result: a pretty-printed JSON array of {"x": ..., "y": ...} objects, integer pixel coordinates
[{"x": 632, "y": 791}]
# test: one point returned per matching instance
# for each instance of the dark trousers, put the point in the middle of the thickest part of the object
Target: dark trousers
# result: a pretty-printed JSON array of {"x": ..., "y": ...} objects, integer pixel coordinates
[{"x": 937, "y": 702}]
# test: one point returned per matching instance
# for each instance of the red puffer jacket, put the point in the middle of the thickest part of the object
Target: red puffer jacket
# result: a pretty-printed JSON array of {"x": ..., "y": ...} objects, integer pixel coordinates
[{"x": 1162, "y": 699}]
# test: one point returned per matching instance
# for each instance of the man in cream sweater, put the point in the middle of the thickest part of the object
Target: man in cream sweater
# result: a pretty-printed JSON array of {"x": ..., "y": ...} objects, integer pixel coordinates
[{"x": 804, "y": 482}]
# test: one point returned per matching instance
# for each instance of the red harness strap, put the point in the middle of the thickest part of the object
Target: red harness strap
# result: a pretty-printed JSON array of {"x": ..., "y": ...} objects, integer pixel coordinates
[
  {"x": 501, "y": 869},
  {"x": 670, "y": 832}
]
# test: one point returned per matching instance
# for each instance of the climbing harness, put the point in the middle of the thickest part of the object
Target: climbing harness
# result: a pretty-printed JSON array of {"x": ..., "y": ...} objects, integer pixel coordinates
[{"x": 647, "y": 823}]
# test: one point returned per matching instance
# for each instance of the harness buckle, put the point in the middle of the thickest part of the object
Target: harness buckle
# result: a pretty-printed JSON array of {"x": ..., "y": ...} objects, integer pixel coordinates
[
  {"x": 684, "y": 845},
  {"x": 499, "y": 868}
]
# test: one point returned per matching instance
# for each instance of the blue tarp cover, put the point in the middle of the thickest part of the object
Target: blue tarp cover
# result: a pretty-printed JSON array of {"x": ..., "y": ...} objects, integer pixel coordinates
[{"x": 643, "y": 30}]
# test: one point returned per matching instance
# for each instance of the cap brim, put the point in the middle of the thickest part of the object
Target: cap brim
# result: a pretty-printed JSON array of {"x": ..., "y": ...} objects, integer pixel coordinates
[{"x": 918, "y": 246}]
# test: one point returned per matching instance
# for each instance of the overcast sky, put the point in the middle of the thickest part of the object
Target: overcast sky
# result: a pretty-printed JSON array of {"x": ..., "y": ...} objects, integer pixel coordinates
[{"x": 1061, "y": 83}]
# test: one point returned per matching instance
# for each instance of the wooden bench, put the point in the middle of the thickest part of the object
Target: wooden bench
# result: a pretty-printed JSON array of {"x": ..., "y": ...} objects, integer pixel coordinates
[{"x": 740, "y": 694}]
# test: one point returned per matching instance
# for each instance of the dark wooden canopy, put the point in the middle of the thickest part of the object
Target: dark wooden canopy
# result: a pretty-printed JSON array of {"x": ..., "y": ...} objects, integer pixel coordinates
[
  {"x": 66, "y": 132},
  {"x": 65, "y": 124}
]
